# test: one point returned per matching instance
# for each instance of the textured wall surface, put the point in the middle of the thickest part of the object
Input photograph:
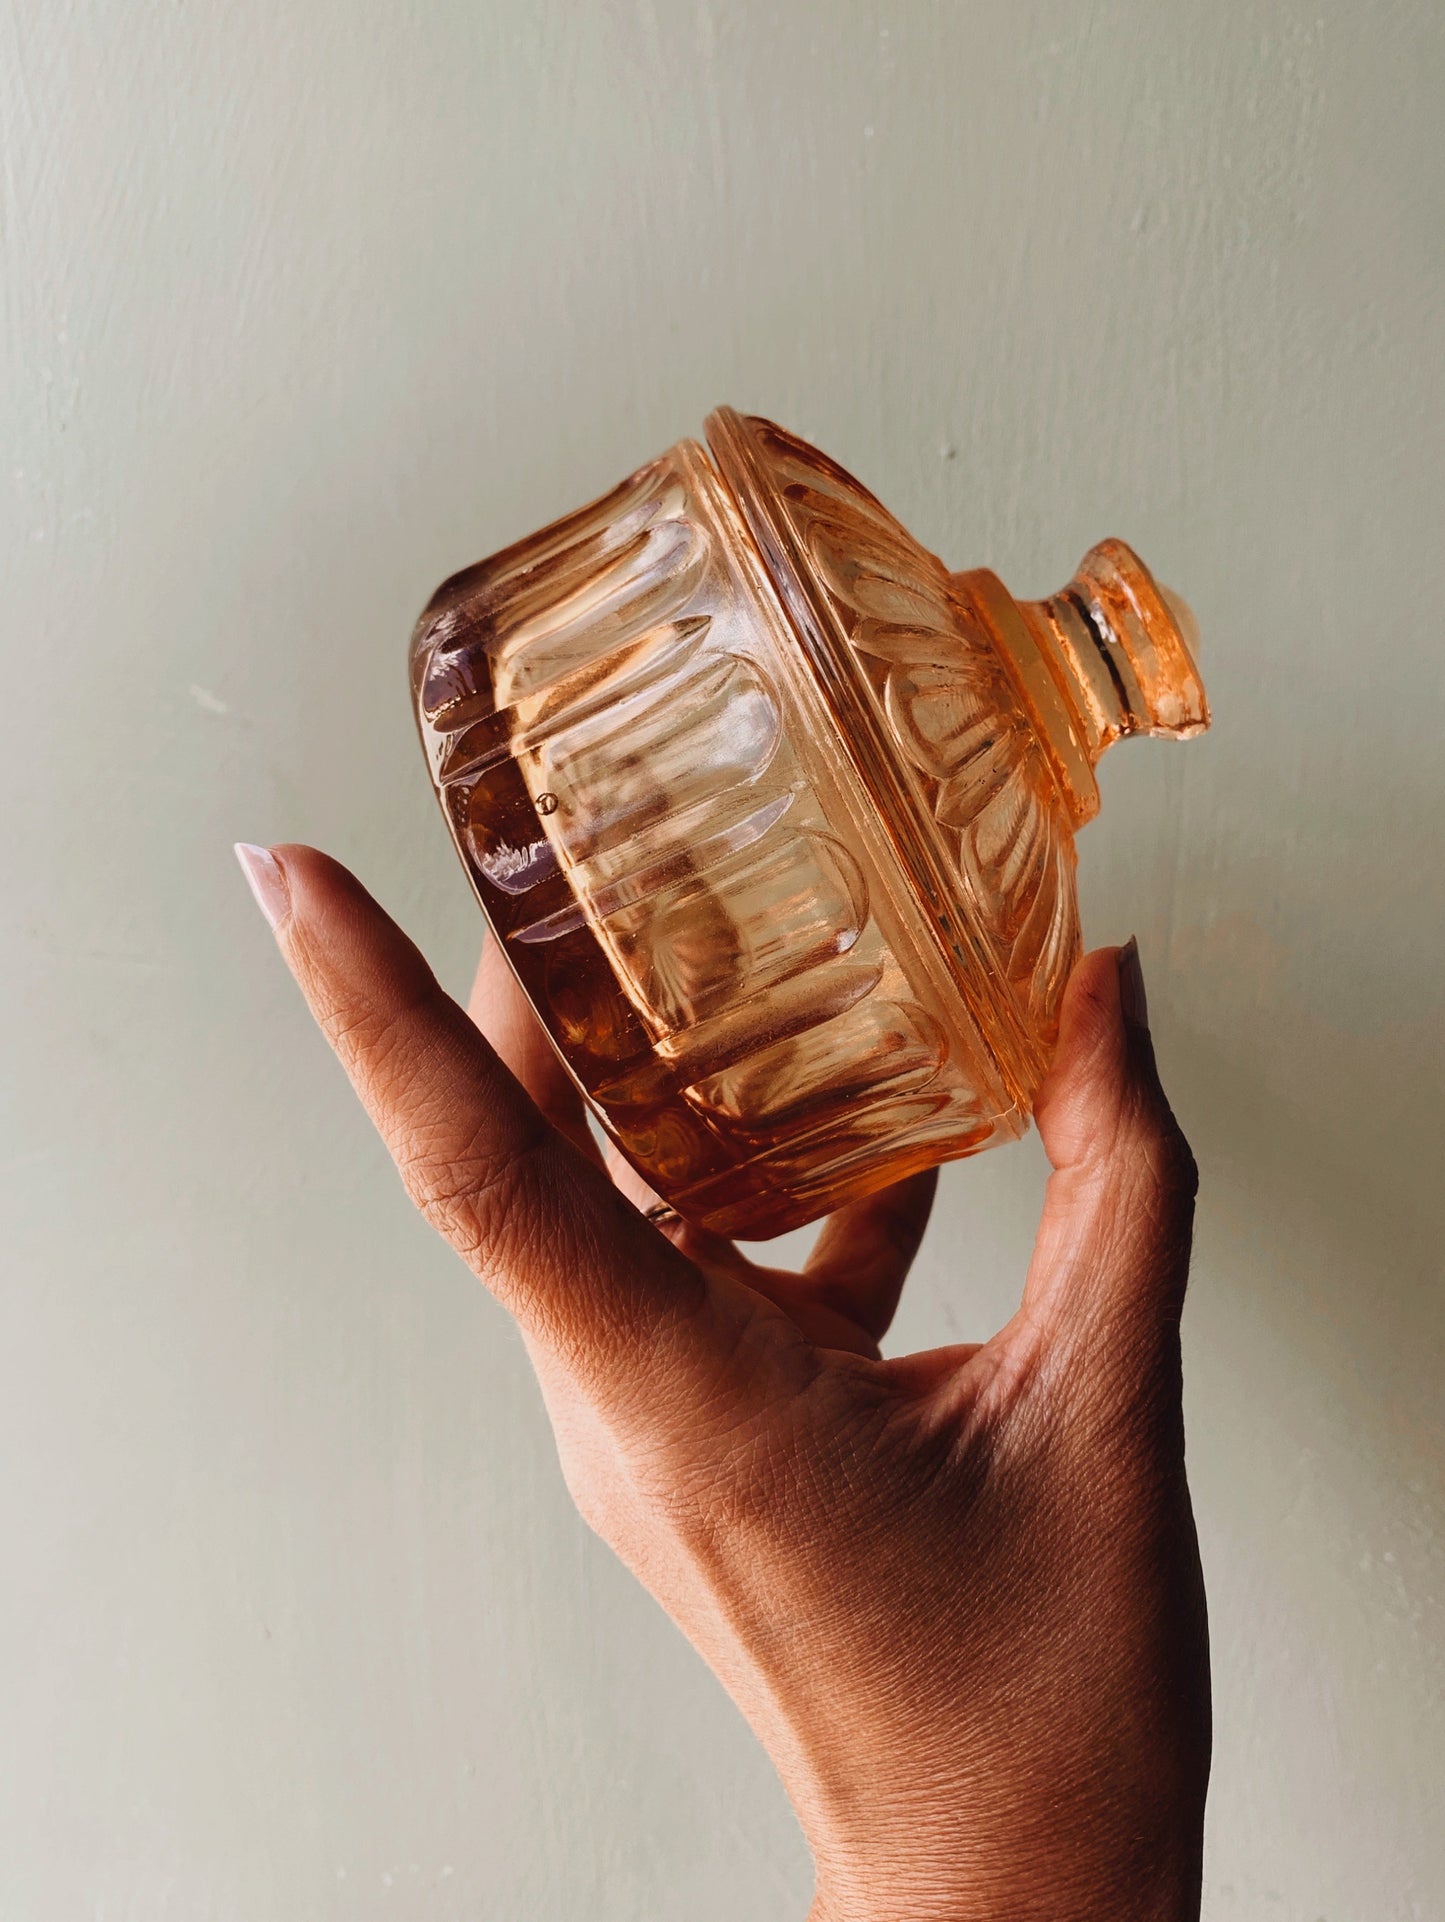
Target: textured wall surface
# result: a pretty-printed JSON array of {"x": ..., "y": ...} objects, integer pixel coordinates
[{"x": 306, "y": 304}]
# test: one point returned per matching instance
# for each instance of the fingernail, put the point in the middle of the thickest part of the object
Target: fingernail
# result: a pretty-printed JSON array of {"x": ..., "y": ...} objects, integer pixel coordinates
[
  {"x": 263, "y": 871},
  {"x": 1132, "y": 998}
]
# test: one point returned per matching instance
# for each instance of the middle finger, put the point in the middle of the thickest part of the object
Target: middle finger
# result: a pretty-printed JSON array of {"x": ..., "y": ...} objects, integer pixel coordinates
[{"x": 508, "y": 1020}]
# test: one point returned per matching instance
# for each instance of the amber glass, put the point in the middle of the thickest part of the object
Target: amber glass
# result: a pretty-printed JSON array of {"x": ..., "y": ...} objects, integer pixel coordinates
[{"x": 773, "y": 815}]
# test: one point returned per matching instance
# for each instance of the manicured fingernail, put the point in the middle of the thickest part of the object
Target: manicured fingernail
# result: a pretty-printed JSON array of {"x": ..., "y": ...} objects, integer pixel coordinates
[
  {"x": 1132, "y": 998},
  {"x": 268, "y": 883}
]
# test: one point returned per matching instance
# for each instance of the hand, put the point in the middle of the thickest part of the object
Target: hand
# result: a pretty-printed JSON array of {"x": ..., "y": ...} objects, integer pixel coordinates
[{"x": 957, "y": 1594}]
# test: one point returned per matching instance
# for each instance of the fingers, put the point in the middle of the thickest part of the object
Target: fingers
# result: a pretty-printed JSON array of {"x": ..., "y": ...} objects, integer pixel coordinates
[
  {"x": 506, "y": 1017},
  {"x": 542, "y": 1226},
  {"x": 1113, "y": 1246},
  {"x": 635, "y": 1185},
  {"x": 861, "y": 1259}
]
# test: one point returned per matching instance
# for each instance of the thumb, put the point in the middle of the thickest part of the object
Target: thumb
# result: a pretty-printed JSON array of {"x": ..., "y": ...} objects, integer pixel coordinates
[{"x": 1112, "y": 1252}]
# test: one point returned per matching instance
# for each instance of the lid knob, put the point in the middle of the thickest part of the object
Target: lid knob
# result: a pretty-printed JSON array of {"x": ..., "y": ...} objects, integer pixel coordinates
[
  {"x": 1111, "y": 654},
  {"x": 1126, "y": 648}
]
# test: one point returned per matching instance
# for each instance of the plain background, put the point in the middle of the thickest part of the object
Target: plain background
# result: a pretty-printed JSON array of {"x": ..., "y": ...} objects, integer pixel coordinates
[{"x": 307, "y": 304}]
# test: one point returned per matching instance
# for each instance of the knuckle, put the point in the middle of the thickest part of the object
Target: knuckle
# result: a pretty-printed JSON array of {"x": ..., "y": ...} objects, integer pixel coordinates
[
  {"x": 362, "y": 1037},
  {"x": 1163, "y": 1149},
  {"x": 467, "y": 1191},
  {"x": 368, "y": 1035},
  {"x": 365, "y": 1037}
]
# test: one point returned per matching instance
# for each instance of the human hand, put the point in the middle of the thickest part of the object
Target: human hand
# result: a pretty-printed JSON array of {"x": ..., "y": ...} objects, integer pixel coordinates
[{"x": 957, "y": 1594}]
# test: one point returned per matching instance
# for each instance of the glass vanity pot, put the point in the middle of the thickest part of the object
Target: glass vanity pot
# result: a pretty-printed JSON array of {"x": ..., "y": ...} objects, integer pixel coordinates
[{"x": 773, "y": 814}]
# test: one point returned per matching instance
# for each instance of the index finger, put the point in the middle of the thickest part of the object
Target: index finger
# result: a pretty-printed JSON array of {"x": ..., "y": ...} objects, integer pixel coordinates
[{"x": 542, "y": 1226}]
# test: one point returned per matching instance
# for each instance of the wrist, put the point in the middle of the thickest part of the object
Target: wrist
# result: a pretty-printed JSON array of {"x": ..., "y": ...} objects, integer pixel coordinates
[
  {"x": 1041, "y": 1890},
  {"x": 1001, "y": 1815},
  {"x": 1037, "y": 1861}
]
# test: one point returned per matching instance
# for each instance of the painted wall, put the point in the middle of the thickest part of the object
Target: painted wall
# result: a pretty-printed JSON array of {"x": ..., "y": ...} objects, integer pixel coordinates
[{"x": 306, "y": 304}]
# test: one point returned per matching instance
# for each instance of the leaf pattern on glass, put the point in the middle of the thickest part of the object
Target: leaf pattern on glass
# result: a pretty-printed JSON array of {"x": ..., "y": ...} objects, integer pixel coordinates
[{"x": 952, "y": 709}]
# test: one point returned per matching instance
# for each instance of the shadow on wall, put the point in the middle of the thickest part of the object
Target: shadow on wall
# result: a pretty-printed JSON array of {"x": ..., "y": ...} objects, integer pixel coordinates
[
  {"x": 1315, "y": 1341},
  {"x": 1318, "y": 1319},
  {"x": 1337, "y": 1212},
  {"x": 1306, "y": 1053}
]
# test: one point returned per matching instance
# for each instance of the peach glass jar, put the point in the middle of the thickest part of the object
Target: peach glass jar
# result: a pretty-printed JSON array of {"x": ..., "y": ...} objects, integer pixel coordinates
[{"x": 773, "y": 815}]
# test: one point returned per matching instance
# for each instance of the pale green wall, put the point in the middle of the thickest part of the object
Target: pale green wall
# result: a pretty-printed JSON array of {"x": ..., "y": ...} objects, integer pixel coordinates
[{"x": 306, "y": 304}]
